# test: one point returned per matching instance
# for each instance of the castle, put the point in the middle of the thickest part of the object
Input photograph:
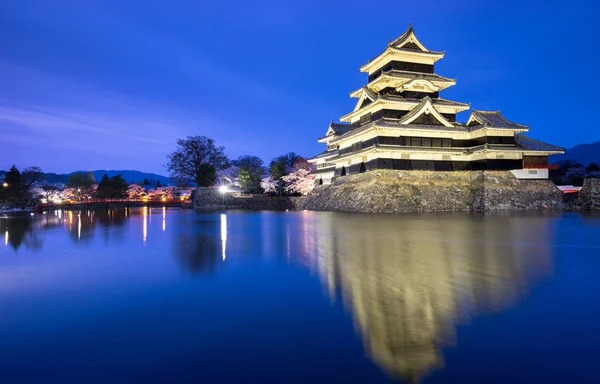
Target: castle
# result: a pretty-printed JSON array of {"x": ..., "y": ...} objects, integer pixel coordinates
[{"x": 400, "y": 122}]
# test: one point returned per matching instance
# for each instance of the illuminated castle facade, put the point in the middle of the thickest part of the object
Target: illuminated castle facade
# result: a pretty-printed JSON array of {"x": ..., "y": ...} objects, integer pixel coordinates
[{"x": 400, "y": 122}]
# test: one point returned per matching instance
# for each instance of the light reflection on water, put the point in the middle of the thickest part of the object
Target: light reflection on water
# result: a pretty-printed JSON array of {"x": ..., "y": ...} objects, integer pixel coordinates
[
  {"x": 407, "y": 282},
  {"x": 411, "y": 281}
]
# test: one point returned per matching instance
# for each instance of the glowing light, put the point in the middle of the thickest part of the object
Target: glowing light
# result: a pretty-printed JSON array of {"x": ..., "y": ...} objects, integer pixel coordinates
[
  {"x": 164, "y": 223},
  {"x": 164, "y": 199},
  {"x": 223, "y": 234},
  {"x": 145, "y": 224},
  {"x": 6, "y": 238},
  {"x": 5, "y": 185},
  {"x": 79, "y": 226},
  {"x": 223, "y": 189}
]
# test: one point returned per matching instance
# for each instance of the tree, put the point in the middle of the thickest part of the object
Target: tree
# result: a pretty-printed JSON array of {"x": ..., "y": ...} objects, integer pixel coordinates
[
  {"x": 119, "y": 187},
  {"x": 158, "y": 185},
  {"x": 146, "y": 183},
  {"x": 30, "y": 176},
  {"x": 104, "y": 187},
  {"x": 196, "y": 158},
  {"x": 163, "y": 192},
  {"x": 206, "y": 175},
  {"x": 82, "y": 182},
  {"x": 50, "y": 193},
  {"x": 300, "y": 181},
  {"x": 282, "y": 165},
  {"x": 253, "y": 163},
  {"x": 229, "y": 176},
  {"x": 251, "y": 170},
  {"x": 593, "y": 167},
  {"x": 136, "y": 191},
  {"x": 302, "y": 163},
  {"x": 11, "y": 186},
  {"x": 269, "y": 185},
  {"x": 114, "y": 187}
]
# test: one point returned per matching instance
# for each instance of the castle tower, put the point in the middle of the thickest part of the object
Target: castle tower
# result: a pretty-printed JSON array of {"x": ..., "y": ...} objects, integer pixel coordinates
[{"x": 401, "y": 122}]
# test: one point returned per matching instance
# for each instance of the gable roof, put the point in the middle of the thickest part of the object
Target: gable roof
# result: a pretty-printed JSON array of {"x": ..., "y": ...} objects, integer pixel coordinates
[
  {"x": 493, "y": 119},
  {"x": 338, "y": 128},
  {"x": 408, "y": 40},
  {"x": 335, "y": 129},
  {"x": 405, "y": 45},
  {"x": 424, "y": 107}
]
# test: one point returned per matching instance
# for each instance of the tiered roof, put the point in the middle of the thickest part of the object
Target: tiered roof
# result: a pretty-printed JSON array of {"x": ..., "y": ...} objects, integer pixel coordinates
[
  {"x": 396, "y": 76},
  {"x": 393, "y": 90},
  {"x": 398, "y": 102},
  {"x": 407, "y": 46}
]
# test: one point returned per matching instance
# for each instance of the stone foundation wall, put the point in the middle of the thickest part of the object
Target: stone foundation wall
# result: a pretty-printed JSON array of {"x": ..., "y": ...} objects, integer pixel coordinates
[
  {"x": 498, "y": 191},
  {"x": 210, "y": 198},
  {"x": 388, "y": 191},
  {"x": 589, "y": 196}
]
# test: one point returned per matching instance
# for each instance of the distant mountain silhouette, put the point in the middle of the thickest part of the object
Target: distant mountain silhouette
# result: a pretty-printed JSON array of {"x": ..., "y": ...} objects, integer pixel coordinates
[
  {"x": 582, "y": 153},
  {"x": 131, "y": 176}
]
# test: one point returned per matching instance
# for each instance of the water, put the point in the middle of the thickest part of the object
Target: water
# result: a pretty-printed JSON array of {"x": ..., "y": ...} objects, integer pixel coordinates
[{"x": 298, "y": 297}]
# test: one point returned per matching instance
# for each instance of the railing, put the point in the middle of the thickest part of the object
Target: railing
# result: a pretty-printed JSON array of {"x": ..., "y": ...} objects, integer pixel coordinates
[
  {"x": 177, "y": 200},
  {"x": 541, "y": 166}
]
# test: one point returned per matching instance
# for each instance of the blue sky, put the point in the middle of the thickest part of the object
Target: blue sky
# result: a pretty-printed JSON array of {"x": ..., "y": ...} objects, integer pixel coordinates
[{"x": 112, "y": 84}]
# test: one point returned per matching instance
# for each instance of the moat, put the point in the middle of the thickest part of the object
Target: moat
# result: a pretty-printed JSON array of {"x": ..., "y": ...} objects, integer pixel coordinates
[{"x": 153, "y": 295}]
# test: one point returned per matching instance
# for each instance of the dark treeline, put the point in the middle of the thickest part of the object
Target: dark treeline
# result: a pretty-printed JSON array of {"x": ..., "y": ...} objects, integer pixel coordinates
[
  {"x": 574, "y": 173},
  {"x": 16, "y": 187}
]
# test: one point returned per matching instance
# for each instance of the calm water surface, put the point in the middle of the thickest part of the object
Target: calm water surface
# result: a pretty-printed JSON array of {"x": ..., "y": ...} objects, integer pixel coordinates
[{"x": 270, "y": 297}]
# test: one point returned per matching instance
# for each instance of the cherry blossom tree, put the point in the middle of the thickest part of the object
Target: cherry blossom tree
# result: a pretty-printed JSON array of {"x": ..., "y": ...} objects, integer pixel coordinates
[
  {"x": 269, "y": 184},
  {"x": 186, "y": 193},
  {"x": 136, "y": 191},
  {"x": 47, "y": 194},
  {"x": 299, "y": 181},
  {"x": 229, "y": 177},
  {"x": 162, "y": 192},
  {"x": 301, "y": 163}
]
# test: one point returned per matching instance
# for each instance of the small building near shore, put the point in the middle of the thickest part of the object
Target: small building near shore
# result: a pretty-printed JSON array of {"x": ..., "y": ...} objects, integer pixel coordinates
[{"x": 400, "y": 122}]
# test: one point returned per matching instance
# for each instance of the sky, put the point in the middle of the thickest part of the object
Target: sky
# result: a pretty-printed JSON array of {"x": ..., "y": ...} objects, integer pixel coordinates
[{"x": 109, "y": 84}]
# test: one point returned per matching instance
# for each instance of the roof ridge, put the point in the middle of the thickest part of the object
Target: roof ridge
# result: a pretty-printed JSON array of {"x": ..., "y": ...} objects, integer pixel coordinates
[
  {"x": 403, "y": 35},
  {"x": 453, "y": 101},
  {"x": 420, "y": 73}
]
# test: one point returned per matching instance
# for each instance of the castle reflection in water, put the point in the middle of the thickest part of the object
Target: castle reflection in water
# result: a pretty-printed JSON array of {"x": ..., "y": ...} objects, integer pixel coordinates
[{"x": 407, "y": 281}]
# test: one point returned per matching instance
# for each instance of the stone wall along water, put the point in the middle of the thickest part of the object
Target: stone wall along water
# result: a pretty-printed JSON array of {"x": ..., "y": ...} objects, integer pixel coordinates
[
  {"x": 388, "y": 191},
  {"x": 211, "y": 198},
  {"x": 589, "y": 196}
]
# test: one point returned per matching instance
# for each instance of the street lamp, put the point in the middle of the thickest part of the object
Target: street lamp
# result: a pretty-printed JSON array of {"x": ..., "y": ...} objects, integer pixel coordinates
[{"x": 5, "y": 185}]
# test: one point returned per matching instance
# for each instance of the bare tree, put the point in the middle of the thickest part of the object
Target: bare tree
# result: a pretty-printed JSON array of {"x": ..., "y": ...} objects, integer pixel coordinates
[
  {"x": 30, "y": 175},
  {"x": 196, "y": 158}
]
